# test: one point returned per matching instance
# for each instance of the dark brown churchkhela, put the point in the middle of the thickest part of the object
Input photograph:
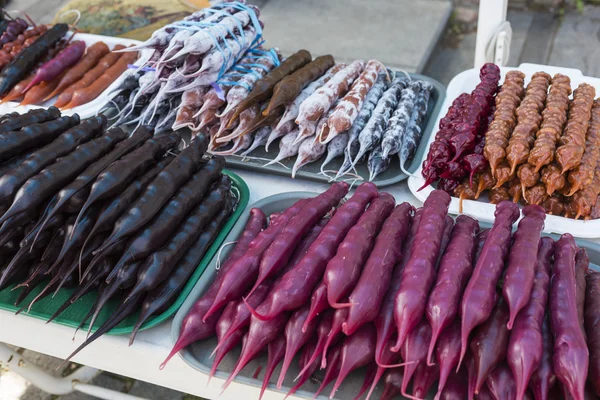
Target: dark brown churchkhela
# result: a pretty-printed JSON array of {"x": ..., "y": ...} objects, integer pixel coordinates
[
  {"x": 286, "y": 90},
  {"x": 264, "y": 87},
  {"x": 499, "y": 131}
]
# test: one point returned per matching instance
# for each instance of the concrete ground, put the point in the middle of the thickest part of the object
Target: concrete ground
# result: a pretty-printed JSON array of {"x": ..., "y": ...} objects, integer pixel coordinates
[
  {"x": 570, "y": 40},
  {"x": 395, "y": 38}
]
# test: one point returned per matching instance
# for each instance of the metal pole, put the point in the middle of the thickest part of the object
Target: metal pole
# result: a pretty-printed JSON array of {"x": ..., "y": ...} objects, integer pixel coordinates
[{"x": 492, "y": 13}]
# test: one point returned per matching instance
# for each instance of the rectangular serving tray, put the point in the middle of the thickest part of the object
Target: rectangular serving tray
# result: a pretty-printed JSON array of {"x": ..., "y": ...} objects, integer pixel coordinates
[
  {"x": 313, "y": 171},
  {"x": 93, "y": 107},
  {"x": 482, "y": 209},
  {"x": 198, "y": 355},
  {"x": 72, "y": 316}
]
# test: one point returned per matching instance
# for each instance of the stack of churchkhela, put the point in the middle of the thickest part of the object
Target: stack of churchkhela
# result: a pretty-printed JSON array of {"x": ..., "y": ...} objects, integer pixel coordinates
[
  {"x": 406, "y": 296},
  {"x": 456, "y": 154},
  {"x": 104, "y": 212},
  {"x": 321, "y": 109},
  {"x": 542, "y": 147},
  {"x": 216, "y": 44}
]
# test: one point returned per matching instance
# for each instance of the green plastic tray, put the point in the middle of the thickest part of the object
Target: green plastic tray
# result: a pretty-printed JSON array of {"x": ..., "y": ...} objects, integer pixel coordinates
[{"x": 73, "y": 315}]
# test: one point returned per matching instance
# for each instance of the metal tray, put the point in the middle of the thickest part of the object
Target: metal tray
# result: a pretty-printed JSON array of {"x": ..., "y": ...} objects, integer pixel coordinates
[
  {"x": 72, "y": 316},
  {"x": 313, "y": 171},
  {"x": 198, "y": 354}
]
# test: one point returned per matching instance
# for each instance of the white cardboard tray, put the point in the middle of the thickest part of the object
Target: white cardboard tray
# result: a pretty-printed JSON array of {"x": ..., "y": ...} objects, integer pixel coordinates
[
  {"x": 481, "y": 209},
  {"x": 85, "y": 110}
]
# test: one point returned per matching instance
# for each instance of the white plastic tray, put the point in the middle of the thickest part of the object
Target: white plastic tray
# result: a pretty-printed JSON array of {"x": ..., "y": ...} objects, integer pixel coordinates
[
  {"x": 481, "y": 209},
  {"x": 84, "y": 110}
]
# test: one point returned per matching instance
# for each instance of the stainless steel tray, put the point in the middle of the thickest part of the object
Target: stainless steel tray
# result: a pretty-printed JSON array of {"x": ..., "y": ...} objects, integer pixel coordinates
[
  {"x": 312, "y": 171},
  {"x": 198, "y": 354}
]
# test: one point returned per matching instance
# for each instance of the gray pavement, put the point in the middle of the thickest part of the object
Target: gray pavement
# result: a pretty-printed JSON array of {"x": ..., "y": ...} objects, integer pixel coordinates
[
  {"x": 391, "y": 31},
  {"x": 577, "y": 42}
]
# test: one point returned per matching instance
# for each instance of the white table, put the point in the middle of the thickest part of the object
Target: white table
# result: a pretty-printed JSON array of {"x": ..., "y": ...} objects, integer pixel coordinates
[{"x": 141, "y": 360}]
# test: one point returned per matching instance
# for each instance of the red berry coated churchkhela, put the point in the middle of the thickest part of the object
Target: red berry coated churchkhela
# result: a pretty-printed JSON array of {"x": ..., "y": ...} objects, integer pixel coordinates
[
  {"x": 522, "y": 260},
  {"x": 323, "y": 329},
  {"x": 335, "y": 333},
  {"x": 489, "y": 343},
  {"x": 333, "y": 368},
  {"x": 225, "y": 344},
  {"x": 526, "y": 347},
  {"x": 304, "y": 364},
  {"x": 414, "y": 352},
  {"x": 571, "y": 355},
  {"x": 502, "y": 383},
  {"x": 374, "y": 281},
  {"x": 260, "y": 334},
  {"x": 296, "y": 338},
  {"x": 296, "y": 286},
  {"x": 318, "y": 302},
  {"x": 461, "y": 128},
  {"x": 384, "y": 321},
  {"x": 480, "y": 295},
  {"x": 456, "y": 266},
  {"x": 279, "y": 252},
  {"x": 393, "y": 383},
  {"x": 343, "y": 270},
  {"x": 447, "y": 353},
  {"x": 276, "y": 352},
  {"x": 592, "y": 325},
  {"x": 582, "y": 263},
  {"x": 420, "y": 270},
  {"x": 192, "y": 326},
  {"x": 357, "y": 351},
  {"x": 543, "y": 379},
  {"x": 241, "y": 314},
  {"x": 242, "y": 274},
  {"x": 456, "y": 389}
]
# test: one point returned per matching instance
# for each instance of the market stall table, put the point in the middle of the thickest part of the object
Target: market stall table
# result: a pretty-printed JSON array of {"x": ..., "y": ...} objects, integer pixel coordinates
[{"x": 141, "y": 360}]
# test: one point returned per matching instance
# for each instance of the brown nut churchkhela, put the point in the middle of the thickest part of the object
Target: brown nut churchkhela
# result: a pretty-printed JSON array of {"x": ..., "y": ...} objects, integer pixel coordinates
[
  {"x": 553, "y": 178},
  {"x": 582, "y": 202},
  {"x": 554, "y": 117},
  {"x": 536, "y": 194},
  {"x": 528, "y": 176},
  {"x": 554, "y": 205},
  {"x": 485, "y": 181},
  {"x": 465, "y": 191},
  {"x": 501, "y": 127},
  {"x": 497, "y": 195},
  {"x": 503, "y": 173},
  {"x": 515, "y": 190},
  {"x": 287, "y": 89},
  {"x": 582, "y": 175},
  {"x": 528, "y": 120},
  {"x": 572, "y": 142}
]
